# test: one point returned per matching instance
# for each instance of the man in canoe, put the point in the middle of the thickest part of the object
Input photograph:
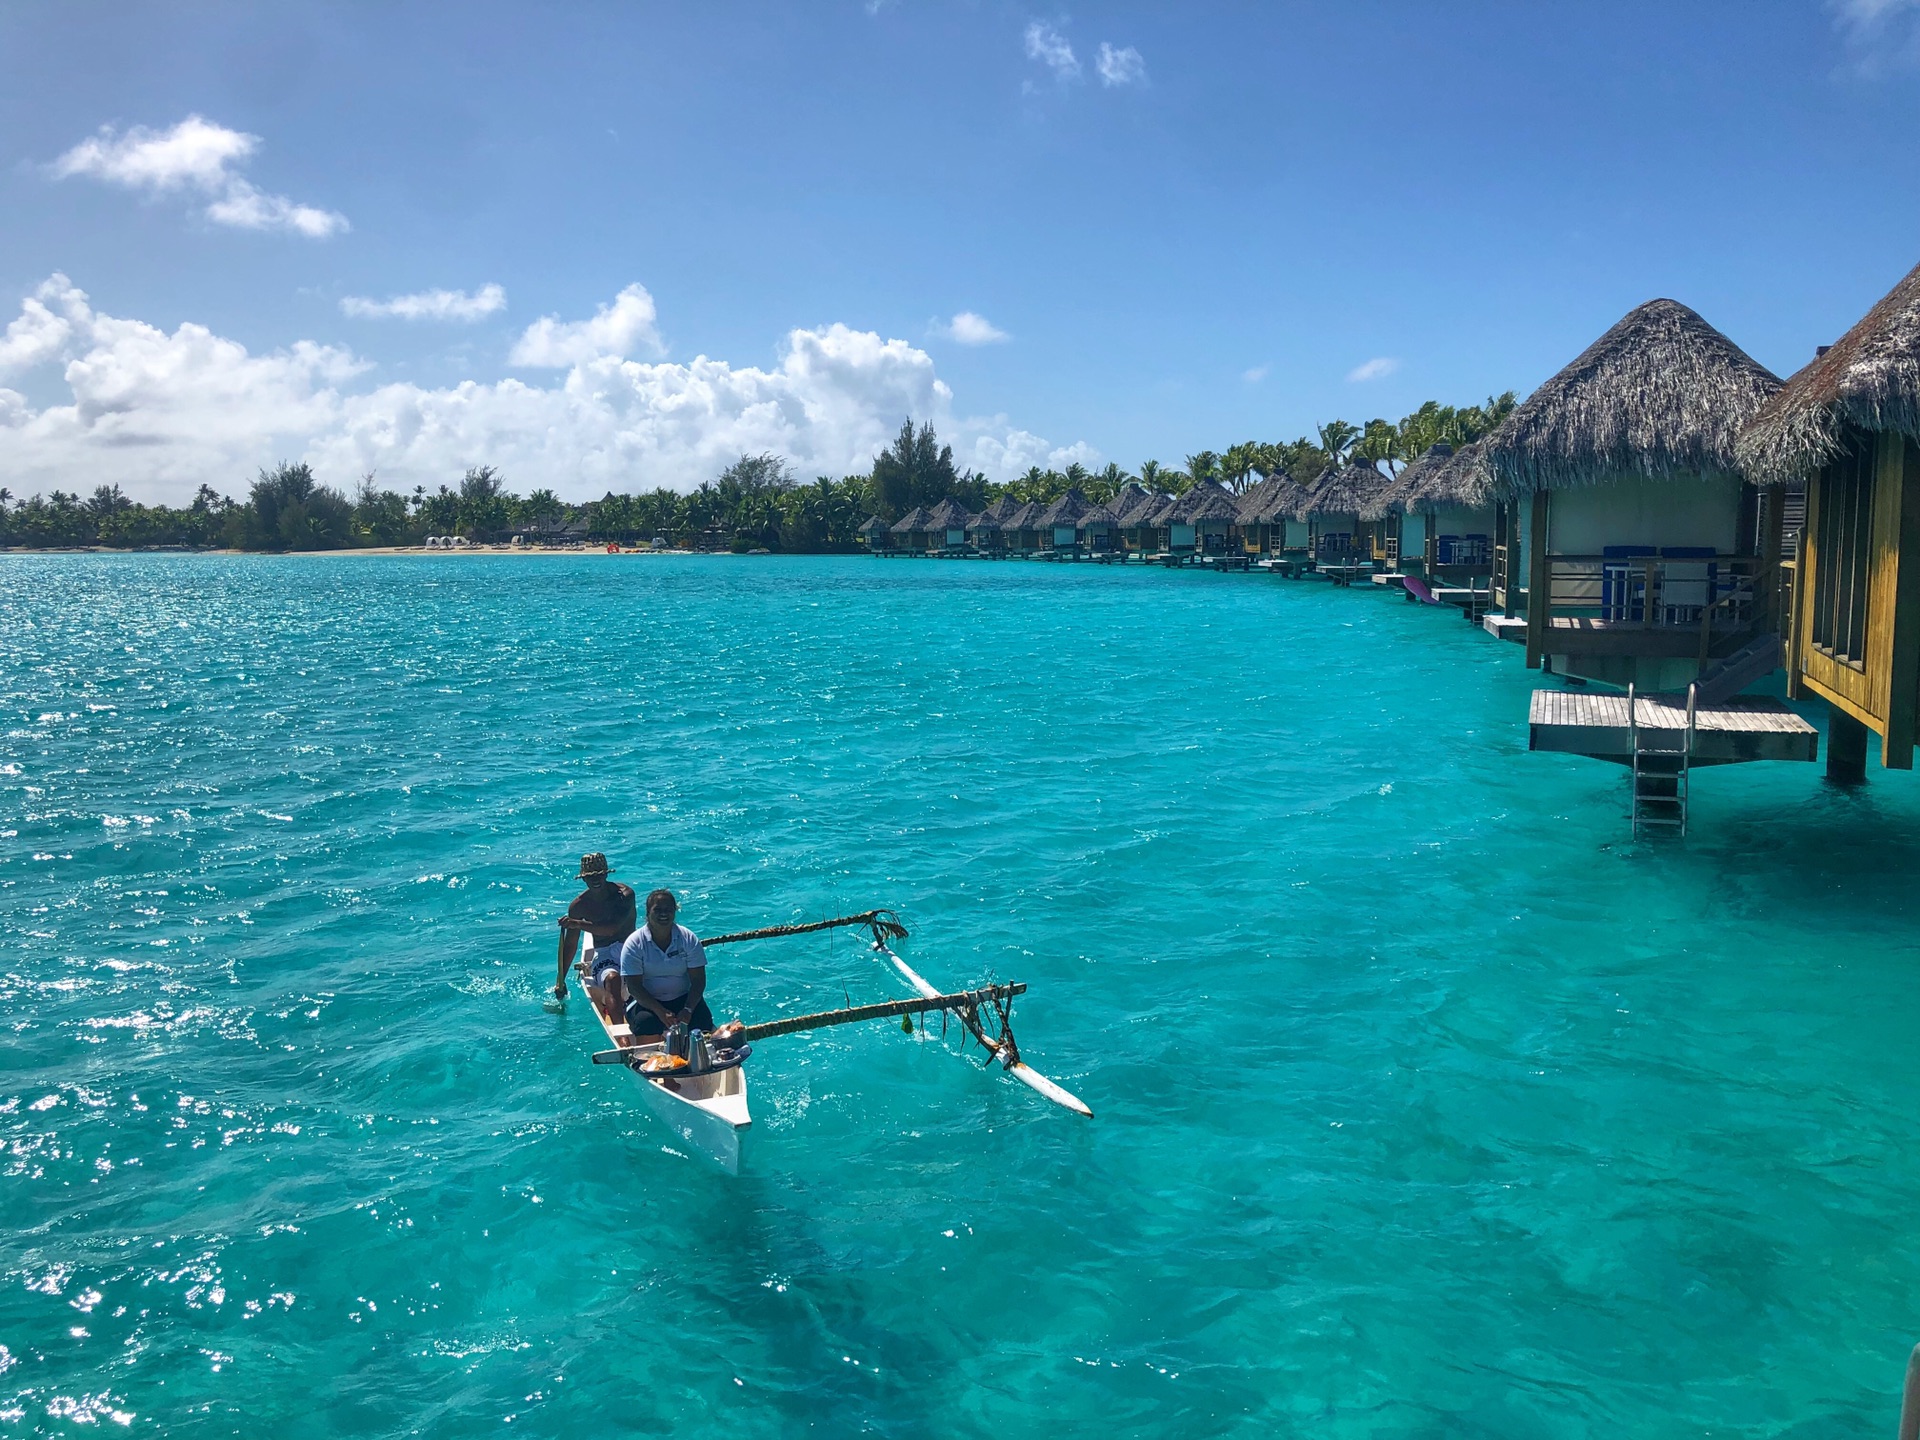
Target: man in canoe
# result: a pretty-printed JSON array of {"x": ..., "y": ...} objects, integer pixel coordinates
[
  {"x": 605, "y": 910},
  {"x": 664, "y": 972}
]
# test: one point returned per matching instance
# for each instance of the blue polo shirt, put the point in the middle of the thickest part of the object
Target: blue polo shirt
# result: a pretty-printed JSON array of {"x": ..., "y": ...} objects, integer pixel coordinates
[{"x": 662, "y": 973}]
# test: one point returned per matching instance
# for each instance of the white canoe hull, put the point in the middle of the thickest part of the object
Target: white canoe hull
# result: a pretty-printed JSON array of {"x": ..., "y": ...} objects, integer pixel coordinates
[{"x": 707, "y": 1112}]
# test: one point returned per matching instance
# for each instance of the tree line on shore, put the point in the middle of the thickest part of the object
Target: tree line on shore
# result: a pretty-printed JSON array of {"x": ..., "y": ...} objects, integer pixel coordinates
[{"x": 756, "y": 502}]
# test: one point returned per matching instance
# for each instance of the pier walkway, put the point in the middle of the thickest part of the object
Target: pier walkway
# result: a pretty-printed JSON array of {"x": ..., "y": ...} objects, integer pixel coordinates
[{"x": 1747, "y": 727}]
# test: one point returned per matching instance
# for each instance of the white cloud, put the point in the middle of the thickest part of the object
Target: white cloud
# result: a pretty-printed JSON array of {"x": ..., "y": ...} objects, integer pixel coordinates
[
  {"x": 1120, "y": 67},
  {"x": 1377, "y": 368},
  {"x": 1050, "y": 48},
  {"x": 199, "y": 155},
  {"x": 968, "y": 328},
  {"x": 1256, "y": 374},
  {"x": 195, "y": 154},
  {"x": 1863, "y": 14},
  {"x": 994, "y": 449},
  {"x": 43, "y": 329},
  {"x": 161, "y": 414},
  {"x": 430, "y": 305},
  {"x": 617, "y": 329},
  {"x": 246, "y": 208}
]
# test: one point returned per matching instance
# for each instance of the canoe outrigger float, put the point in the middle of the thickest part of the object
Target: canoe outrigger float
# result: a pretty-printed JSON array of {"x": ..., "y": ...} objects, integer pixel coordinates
[{"x": 709, "y": 1110}]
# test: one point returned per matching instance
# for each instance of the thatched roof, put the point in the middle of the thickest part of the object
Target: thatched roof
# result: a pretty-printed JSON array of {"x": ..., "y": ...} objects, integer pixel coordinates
[
  {"x": 1662, "y": 394},
  {"x": 1202, "y": 500},
  {"x": 1463, "y": 481},
  {"x": 872, "y": 525},
  {"x": 948, "y": 515},
  {"x": 1867, "y": 380},
  {"x": 1274, "y": 500},
  {"x": 1066, "y": 510},
  {"x": 995, "y": 515},
  {"x": 1127, "y": 499},
  {"x": 1096, "y": 514},
  {"x": 1347, "y": 491},
  {"x": 914, "y": 519},
  {"x": 1027, "y": 517},
  {"x": 1403, "y": 491},
  {"x": 1148, "y": 511}
]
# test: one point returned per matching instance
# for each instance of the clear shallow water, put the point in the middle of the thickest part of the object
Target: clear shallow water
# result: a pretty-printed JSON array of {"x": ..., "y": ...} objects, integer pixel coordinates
[{"x": 1428, "y": 1105}]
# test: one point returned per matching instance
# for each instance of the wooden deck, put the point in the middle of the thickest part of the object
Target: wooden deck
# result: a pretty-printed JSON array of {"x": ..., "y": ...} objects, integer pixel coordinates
[{"x": 1747, "y": 727}]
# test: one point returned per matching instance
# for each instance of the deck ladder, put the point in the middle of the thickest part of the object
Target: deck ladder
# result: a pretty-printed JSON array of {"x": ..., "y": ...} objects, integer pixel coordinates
[{"x": 1661, "y": 769}]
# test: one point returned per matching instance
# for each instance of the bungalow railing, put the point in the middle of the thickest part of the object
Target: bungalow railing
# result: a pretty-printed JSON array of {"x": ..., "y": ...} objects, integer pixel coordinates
[{"x": 1712, "y": 592}]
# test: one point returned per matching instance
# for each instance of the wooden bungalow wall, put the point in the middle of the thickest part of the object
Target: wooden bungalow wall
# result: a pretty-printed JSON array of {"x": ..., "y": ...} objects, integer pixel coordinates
[{"x": 1881, "y": 686}]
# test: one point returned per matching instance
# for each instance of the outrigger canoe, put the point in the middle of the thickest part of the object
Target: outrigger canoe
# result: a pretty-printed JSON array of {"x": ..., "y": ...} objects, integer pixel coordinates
[{"x": 709, "y": 1111}]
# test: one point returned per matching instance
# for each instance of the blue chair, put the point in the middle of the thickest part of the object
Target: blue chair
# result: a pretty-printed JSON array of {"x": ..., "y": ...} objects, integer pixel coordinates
[{"x": 1623, "y": 588}]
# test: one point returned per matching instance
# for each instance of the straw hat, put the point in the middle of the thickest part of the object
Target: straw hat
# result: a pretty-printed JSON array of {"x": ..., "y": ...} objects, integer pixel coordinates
[{"x": 594, "y": 866}]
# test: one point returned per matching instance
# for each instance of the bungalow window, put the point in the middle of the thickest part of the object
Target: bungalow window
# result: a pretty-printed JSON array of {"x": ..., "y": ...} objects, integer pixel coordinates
[{"x": 1842, "y": 557}]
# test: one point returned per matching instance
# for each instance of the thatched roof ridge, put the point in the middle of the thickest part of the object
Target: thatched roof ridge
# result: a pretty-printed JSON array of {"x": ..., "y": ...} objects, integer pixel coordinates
[
  {"x": 914, "y": 519},
  {"x": 1202, "y": 500},
  {"x": 872, "y": 525},
  {"x": 1066, "y": 510},
  {"x": 949, "y": 514},
  {"x": 1867, "y": 380},
  {"x": 1662, "y": 394},
  {"x": 1347, "y": 491}
]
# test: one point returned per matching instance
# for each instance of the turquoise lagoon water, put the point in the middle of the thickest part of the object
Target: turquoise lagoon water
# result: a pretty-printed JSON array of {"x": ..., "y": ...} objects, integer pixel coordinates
[{"x": 1429, "y": 1104}]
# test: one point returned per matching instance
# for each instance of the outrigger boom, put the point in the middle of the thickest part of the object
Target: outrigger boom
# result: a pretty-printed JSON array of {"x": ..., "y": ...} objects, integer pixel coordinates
[{"x": 963, "y": 1001}]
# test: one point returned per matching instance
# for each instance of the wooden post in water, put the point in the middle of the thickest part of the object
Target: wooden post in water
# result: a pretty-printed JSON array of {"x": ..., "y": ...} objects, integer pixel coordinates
[
  {"x": 1846, "y": 748},
  {"x": 1539, "y": 583}
]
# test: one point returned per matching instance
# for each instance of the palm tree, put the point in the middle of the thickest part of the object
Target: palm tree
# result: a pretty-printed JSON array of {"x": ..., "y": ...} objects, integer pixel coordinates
[
  {"x": 1151, "y": 475},
  {"x": 1204, "y": 466},
  {"x": 1238, "y": 463},
  {"x": 1336, "y": 437},
  {"x": 1380, "y": 441}
]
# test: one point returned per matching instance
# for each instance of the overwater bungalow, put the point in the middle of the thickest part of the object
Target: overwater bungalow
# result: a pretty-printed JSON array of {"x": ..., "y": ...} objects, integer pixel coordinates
[
  {"x": 1445, "y": 511},
  {"x": 874, "y": 534},
  {"x": 1630, "y": 536},
  {"x": 910, "y": 531},
  {"x": 1848, "y": 427},
  {"x": 1099, "y": 531},
  {"x": 1059, "y": 523},
  {"x": 947, "y": 527},
  {"x": 1336, "y": 535},
  {"x": 1133, "y": 511},
  {"x": 1022, "y": 529},
  {"x": 1198, "y": 521},
  {"x": 985, "y": 532},
  {"x": 1268, "y": 521}
]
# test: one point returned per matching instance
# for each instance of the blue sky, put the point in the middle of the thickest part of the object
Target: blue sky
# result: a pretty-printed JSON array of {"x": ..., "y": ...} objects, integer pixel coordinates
[{"x": 1199, "y": 239}]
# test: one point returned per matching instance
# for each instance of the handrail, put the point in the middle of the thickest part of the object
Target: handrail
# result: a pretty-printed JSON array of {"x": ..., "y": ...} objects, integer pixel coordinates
[{"x": 1646, "y": 591}]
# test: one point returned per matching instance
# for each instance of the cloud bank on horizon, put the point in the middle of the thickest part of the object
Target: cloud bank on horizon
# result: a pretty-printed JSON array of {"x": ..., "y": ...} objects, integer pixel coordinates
[{"x": 161, "y": 414}]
